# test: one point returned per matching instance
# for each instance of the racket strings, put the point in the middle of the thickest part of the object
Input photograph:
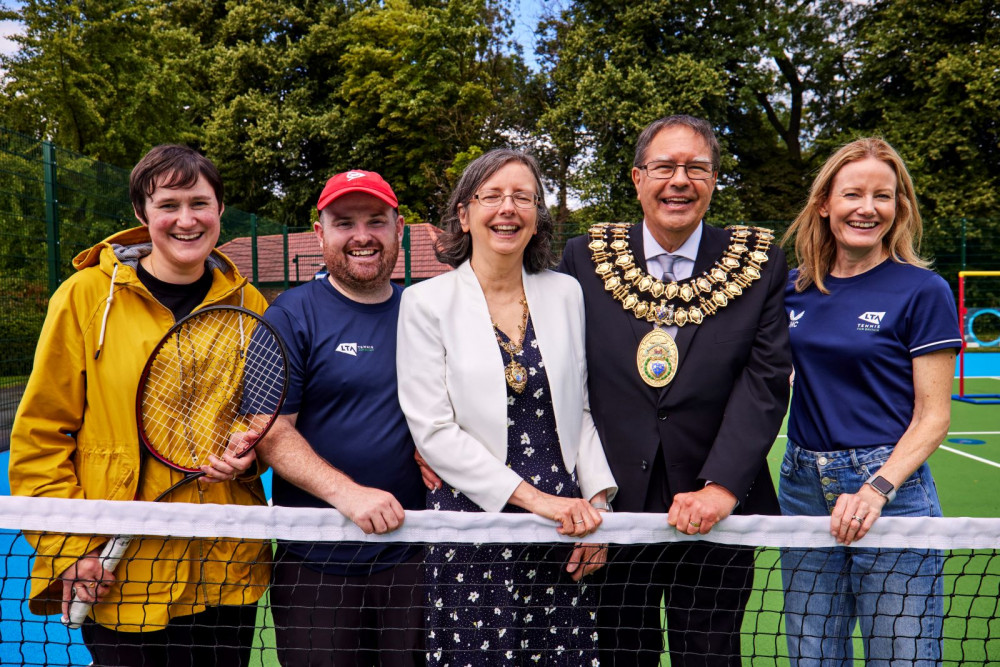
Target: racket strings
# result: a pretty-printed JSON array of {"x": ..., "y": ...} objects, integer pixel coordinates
[{"x": 219, "y": 375}]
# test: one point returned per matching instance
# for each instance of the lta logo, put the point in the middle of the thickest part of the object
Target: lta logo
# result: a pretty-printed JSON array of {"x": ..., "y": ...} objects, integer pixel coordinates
[{"x": 871, "y": 321}]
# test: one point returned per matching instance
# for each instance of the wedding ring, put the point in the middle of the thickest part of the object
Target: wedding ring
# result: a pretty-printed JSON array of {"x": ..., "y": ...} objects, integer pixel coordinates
[
  {"x": 858, "y": 519},
  {"x": 694, "y": 524},
  {"x": 580, "y": 521}
]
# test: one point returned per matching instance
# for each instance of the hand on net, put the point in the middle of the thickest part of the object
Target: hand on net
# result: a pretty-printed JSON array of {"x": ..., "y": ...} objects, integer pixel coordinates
[{"x": 373, "y": 510}]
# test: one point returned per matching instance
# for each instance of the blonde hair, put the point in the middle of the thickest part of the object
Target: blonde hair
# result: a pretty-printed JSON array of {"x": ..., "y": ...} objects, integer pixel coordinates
[{"x": 815, "y": 246}]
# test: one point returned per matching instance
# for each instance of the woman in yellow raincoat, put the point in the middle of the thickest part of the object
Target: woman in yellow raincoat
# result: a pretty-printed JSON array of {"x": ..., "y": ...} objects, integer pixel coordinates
[{"x": 170, "y": 601}]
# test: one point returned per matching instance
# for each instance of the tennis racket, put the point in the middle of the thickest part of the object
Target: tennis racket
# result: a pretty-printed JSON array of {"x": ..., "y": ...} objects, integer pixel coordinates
[{"x": 218, "y": 373}]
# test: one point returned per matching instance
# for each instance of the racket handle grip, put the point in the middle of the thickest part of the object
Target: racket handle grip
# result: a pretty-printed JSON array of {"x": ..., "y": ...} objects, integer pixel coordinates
[{"x": 109, "y": 558}]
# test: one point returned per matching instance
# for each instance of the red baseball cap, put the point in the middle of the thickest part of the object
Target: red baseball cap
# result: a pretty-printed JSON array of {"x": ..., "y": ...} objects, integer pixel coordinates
[{"x": 357, "y": 181}]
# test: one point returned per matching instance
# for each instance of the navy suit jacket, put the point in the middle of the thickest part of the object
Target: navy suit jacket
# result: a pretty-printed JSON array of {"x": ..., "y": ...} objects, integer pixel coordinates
[{"x": 721, "y": 413}]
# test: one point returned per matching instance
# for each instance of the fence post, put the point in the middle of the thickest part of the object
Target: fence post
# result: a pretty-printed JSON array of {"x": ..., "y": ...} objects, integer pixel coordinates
[
  {"x": 253, "y": 250},
  {"x": 51, "y": 213},
  {"x": 407, "y": 275},
  {"x": 963, "y": 245},
  {"x": 284, "y": 246}
]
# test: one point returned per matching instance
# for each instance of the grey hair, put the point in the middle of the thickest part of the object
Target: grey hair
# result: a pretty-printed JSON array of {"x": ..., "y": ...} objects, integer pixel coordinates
[{"x": 698, "y": 125}]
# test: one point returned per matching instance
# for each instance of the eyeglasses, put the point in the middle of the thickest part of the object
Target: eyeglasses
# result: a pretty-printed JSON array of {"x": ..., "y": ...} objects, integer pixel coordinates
[
  {"x": 520, "y": 199},
  {"x": 696, "y": 171}
]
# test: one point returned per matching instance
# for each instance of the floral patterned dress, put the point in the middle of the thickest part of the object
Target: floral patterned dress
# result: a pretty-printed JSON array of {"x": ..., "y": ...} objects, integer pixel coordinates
[{"x": 512, "y": 604}]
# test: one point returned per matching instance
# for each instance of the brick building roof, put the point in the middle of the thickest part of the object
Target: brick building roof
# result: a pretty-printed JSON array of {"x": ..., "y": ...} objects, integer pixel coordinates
[{"x": 305, "y": 257}]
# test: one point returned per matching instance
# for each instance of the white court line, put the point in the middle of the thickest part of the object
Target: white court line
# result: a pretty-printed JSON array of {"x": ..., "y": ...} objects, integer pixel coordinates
[{"x": 970, "y": 456}]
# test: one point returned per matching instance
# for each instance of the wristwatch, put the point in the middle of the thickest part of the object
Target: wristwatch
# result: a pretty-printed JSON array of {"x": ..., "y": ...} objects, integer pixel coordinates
[
  {"x": 602, "y": 506},
  {"x": 883, "y": 487}
]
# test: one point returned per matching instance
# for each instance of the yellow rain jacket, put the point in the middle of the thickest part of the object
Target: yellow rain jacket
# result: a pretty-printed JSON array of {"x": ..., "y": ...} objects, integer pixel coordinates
[{"x": 75, "y": 436}]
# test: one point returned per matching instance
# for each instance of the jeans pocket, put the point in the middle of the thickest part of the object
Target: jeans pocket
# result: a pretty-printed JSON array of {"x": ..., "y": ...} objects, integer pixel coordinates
[
  {"x": 872, "y": 461},
  {"x": 786, "y": 466}
]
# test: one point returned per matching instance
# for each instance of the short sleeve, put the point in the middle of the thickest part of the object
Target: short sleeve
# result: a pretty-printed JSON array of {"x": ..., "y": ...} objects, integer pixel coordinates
[
  {"x": 286, "y": 326},
  {"x": 933, "y": 319}
]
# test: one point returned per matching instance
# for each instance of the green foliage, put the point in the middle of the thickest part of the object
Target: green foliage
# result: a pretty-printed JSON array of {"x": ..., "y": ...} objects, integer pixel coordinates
[
  {"x": 283, "y": 93},
  {"x": 109, "y": 78},
  {"x": 404, "y": 88},
  {"x": 23, "y": 305},
  {"x": 761, "y": 72},
  {"x": 928, "y": 82}
]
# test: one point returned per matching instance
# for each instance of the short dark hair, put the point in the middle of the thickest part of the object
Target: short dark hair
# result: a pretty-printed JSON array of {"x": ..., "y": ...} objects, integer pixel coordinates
[
  {"x": 455, "y": 246},
  {"x": 699, "y": 126},
  {"x": 181, "y": 164}
]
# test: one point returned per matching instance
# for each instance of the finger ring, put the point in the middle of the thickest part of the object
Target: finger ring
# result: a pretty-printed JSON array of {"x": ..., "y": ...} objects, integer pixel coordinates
[
  {"x": 858, "y": 519},
  {"x": 580, "y": 521},
  {"x": 694, "y": 524},
  {"x": 92, "y": 585}
]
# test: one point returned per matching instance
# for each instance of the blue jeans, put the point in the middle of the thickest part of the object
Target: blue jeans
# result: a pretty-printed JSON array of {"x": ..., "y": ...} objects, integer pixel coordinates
[{"x": 896, "y": 595}]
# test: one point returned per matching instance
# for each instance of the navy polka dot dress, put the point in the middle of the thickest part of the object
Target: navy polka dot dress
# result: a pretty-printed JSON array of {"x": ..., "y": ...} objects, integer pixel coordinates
[{"x": 512, "y": 604}]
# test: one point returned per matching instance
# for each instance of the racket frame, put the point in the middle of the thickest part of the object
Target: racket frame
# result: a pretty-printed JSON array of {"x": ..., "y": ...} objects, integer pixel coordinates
[{"x": 115, "y": 548}]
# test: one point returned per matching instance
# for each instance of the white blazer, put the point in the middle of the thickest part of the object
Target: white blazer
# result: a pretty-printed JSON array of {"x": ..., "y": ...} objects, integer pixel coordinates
[{"x": 454, "y": 395}]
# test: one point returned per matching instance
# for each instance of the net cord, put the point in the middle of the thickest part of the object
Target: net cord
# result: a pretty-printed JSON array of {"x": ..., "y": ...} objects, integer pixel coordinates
[{"x": 105, "y": 517}]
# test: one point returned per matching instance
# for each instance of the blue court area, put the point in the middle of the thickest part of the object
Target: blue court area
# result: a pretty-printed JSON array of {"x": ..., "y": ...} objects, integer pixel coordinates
[
  {"x": 26, "y": 639},
  {"x": 981, "y": 364}
]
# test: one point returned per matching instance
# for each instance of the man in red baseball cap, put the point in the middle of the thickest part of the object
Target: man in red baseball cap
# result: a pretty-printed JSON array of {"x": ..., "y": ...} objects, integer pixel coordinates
[{"x": 344, "y": 442}]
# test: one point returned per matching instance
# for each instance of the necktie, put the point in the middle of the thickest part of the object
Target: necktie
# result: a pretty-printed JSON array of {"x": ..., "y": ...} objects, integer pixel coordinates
[{"x": 667, "y": 262}]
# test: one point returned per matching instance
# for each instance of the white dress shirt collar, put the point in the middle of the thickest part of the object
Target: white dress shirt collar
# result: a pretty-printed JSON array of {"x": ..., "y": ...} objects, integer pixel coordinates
[{"x": 688, "y": 249}]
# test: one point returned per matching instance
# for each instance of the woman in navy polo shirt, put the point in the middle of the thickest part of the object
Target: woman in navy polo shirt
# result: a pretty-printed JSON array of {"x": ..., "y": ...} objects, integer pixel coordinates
[{"x": 873, "y": 335}]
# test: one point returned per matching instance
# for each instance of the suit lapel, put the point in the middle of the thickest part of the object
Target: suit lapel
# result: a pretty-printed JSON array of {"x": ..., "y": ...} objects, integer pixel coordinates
[
  {"x": 639, "y": 327},
  {"x": 713, "y": 243}
]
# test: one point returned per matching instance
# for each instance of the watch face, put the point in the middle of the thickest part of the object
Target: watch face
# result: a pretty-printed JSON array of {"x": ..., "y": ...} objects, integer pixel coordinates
[{"x": 882, "y": 485}]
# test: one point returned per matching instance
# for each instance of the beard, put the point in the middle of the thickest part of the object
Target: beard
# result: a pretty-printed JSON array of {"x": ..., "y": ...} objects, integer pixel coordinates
[{"x": 362, "y": 278}]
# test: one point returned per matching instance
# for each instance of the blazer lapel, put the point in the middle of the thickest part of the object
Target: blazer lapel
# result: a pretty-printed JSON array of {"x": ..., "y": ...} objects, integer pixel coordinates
[
  {"x": 713, "y": 242},
  {"x": 639, "y": 327}
]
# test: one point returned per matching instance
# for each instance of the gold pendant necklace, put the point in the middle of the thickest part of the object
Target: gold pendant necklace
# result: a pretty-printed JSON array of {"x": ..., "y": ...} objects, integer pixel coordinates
[
  {"x": 736, "y": 270},
  {"x": 514, "y": 372},
  {"x": 657, "y": 358}
]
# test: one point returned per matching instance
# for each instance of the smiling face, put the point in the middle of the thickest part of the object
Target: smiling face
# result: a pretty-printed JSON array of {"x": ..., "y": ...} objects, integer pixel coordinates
[
  {"x": 359, "y": 235},
  {"x": 501, "y": 234},
  {"x": 861, "y": 208},
  {"x": 674, "y": 207},
  {"x": 184, "y": 226}
]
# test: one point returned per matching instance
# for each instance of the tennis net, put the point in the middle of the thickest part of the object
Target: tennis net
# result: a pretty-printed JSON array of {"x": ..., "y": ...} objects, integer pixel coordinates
[{"x": 488, "y": 577}]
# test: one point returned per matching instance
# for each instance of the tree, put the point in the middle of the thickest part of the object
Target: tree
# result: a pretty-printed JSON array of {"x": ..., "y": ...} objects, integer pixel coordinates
[
  {"x": 764, "y": 73},
  {"x": 404, "y": 88},
  {"x": 108, "y": 78},
  {"x": 928, "y": 81},
  {"x": 425, "y": 82}
]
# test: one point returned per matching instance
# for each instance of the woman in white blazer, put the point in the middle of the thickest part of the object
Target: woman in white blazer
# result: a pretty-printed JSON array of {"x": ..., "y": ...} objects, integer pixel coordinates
[{"x": 492, "y": 379}]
